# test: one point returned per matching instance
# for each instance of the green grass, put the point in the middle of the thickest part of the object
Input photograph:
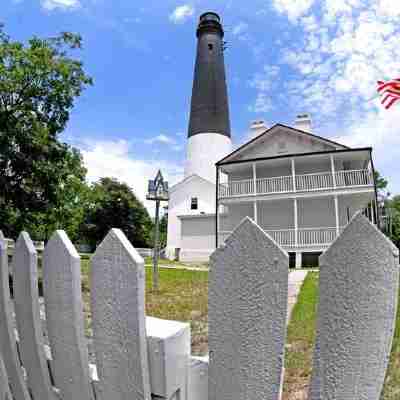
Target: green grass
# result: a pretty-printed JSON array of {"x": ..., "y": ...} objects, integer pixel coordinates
[
  {"x": 176, "y": 264},
  {"x": 182, "y": 296},
  {"x": 392, "y": 382},
  {"x": 301, "y": 338}
]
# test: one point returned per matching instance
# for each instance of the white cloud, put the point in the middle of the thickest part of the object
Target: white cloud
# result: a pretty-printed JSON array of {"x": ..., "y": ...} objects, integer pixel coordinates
[
  {"x": 60, "y": 4},
  {"x": 346, "y": 46},
  {"x": 262, "y": 104},
  {"x": 240, "y": 28},
  {"x": 182, "y": 14},
  {"x": 114, "y": 159},
  {"x": 241, "y": 31},
  {"x": 263, "y": 82},
  {"x": 161, "y": 139},
  {"x": 293, "y": 8}
]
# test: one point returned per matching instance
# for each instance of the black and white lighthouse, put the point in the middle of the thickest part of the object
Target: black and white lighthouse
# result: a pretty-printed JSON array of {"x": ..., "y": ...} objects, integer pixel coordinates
[{"x": 209, "y": 134}]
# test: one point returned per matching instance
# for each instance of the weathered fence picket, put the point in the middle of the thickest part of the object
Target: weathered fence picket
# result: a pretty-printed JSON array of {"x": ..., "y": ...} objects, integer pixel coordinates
[
  {"x": 26, "y": 299},
  {"x": 359, "y": 279},
  {"x": 118, "y": 317},
  {"x": 247, "y": 316},
  {"x": 4, "y": 390},
  {"x": 65, "y": 323},
  {"x": 8, "y": 346},
  {"x": 139, "y": 358}
]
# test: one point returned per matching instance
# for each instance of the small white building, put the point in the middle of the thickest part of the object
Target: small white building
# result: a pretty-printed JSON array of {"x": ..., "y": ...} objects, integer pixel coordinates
[{"x": 302, "y": 189}]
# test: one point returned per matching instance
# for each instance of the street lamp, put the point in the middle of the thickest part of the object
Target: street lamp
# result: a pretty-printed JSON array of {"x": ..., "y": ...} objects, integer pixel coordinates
[{"x": 157, "y": 191}]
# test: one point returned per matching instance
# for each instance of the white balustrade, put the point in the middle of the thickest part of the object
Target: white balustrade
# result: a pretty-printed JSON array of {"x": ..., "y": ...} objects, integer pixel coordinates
[
  {"x": 359, "y": 177},
  {"x": 316, "y": 236},
  {"x": 279, "y": 184},
  {"x": 284, "y": 237},
  {"x": 237, "y": 188},
  {"x": 322, "y": 180},
  {"x": 304, "y": 183},
  {"x": 287, "y": 237}
]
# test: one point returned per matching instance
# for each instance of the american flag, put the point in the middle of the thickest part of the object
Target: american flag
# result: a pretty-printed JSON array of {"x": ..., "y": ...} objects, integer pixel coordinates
[{"x": 389, "y": 91}]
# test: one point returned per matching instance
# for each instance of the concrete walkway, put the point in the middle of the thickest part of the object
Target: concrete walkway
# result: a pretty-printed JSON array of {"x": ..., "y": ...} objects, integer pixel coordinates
[{"x": 296, "y": 279}]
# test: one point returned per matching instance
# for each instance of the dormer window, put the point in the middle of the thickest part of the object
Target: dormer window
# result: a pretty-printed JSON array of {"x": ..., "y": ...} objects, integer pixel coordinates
[{"x": 194, "y": 205}]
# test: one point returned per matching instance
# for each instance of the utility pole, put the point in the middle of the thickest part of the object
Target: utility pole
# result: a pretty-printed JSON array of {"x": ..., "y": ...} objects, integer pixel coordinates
[{"x": 157, "y": 191}]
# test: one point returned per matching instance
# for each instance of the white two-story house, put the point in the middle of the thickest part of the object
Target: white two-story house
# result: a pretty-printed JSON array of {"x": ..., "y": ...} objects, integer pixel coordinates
[{"x": 302, "y": 189}]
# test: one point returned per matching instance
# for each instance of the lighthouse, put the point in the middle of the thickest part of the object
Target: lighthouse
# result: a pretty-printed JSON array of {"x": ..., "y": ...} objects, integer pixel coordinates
[
  {"x": 191, "y": 206},
  {"x": 209, "y": 133}
]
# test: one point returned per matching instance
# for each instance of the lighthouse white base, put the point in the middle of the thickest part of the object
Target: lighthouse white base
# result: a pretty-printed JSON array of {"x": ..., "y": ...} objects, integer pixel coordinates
[{"x": 203, "y": 151}]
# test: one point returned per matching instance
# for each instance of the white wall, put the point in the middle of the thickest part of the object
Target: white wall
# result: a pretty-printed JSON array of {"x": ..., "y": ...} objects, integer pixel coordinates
[
  {"x": 235, "y": 214},
  {"x": 179, "y": 204},
  {"x": 316, "y": 212},
  {"x": 275, "y": 214},
  {"x": 203, "y": 151},
  {"x": 197, "y": 238},
  {"x": 283, "y": 142}
]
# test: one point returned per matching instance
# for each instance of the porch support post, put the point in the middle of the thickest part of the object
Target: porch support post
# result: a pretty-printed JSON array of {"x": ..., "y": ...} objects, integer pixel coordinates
[
  {"x": 254, "y": 179},
  {"x": 337, "y": 214},
  {"x": 294, "y": 174},
  {"x": 217, "y": 227},
  {"x": 372, "y": 212},
  {"x": 296, "y": 223},
  {"x": 333, "y": 171},
  {"x": 255, "y": 192}
]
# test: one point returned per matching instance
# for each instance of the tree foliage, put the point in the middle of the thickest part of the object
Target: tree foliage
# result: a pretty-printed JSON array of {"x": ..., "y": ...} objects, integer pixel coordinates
[
  {"x": 42, "y": 180},
  {"x": 114, "y": 205}
]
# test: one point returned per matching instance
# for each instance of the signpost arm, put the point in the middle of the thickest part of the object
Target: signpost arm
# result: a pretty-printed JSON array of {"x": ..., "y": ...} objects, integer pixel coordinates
[{"x": 156, "y": 246}]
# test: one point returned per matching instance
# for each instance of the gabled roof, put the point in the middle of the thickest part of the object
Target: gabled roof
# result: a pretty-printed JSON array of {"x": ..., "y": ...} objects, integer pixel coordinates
[
  {"x": 188, "y": 179},
  {"x": 269, "y": 131}
]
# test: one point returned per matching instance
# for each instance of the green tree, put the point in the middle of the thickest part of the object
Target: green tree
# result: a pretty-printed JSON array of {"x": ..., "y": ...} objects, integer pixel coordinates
[
  {"x": 381, "y": 183},
  {"x": 163, "y": 230},
  {"x": 114, "y": 205},
  {"x": 40, "y": 177}
]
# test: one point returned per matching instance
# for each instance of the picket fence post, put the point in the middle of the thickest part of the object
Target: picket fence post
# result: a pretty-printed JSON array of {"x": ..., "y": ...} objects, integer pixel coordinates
[
  {"x": 118, "y": 317},
  {"x": 8, "y": 346},
  {"x": 359, "y": 280},
  {"x": 248, "y": 286}
]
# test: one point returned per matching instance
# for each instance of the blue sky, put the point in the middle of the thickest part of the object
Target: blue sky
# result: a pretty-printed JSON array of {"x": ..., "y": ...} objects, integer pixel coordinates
[{"x": 284, "y": 57}]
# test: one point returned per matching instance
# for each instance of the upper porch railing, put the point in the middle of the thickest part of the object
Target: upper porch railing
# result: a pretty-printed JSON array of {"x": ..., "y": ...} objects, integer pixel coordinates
[
  {"x": 302, "y": 237},
  {"x": 297, "y": 183}
]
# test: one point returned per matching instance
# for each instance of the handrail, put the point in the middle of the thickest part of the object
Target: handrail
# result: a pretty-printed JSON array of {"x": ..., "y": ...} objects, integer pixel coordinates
[
  {"x": 318, "y": 236},
  {"x": 304, "y": 182}
]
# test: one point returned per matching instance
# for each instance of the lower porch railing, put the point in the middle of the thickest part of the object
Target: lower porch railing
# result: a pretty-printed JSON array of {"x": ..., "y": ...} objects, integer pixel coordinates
[{"x": 305, "y": 236}]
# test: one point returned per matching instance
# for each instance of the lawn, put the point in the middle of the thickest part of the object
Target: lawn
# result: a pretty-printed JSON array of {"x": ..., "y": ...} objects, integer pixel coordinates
[
  {"x": 300, "y": 341},
  {"x": 182, "y": 297}
]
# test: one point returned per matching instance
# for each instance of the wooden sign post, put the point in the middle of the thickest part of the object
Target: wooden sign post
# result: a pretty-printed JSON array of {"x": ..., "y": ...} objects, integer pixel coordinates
[{"x": 157, "y": 191}]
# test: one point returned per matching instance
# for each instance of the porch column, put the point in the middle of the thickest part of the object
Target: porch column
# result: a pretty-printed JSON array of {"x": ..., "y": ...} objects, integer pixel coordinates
[
  {"x": 217, "y": 226},
  {"x": 298, "y": 260},
  {"x": 333, "y": 171},
  {"x": 296, "y": 223},
  {"x": 337, "y": 215},
  {"x": 372, "y": 212},
  {"x": 254, "y": 179},
  {"x": 255, "y": 192},
  {"x": 294, "y": 174}
]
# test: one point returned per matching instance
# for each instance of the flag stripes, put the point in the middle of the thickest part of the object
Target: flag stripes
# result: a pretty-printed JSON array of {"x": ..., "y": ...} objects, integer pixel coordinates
[{"x": 390, "y": 92}]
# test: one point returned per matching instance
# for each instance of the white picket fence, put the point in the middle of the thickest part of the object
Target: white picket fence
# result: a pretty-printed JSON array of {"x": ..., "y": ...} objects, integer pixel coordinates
[{"x": 139, "y": 358}]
